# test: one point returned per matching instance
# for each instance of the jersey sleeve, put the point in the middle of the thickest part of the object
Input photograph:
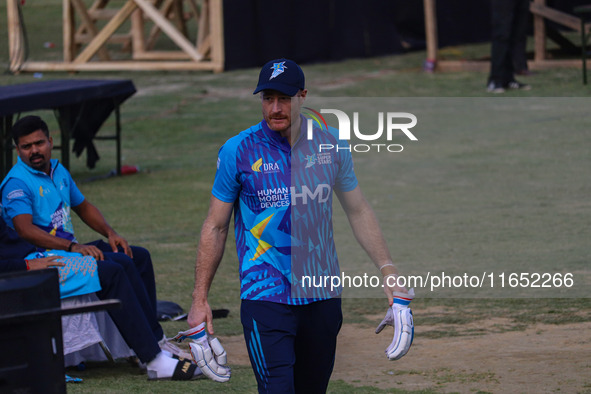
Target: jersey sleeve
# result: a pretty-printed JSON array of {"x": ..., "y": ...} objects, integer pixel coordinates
[
  {"x": 76, "y": 196},
  {"x": 225, "y": 185},
  {"x": 16, "y": 198},
  {"x": 346, "y": 178}
]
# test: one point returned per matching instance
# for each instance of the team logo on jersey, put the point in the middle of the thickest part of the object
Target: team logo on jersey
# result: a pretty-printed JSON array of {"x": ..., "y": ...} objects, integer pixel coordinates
[
  {"x": 278, "y": 68},
  {"x": 266, "y": 168},
  {"x": 318, "y": 158},
  {"x": 43, "y": 192}
]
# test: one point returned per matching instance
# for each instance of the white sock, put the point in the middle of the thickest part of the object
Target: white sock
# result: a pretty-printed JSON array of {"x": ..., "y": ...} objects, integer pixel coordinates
[{"x": 163, "y": 365}]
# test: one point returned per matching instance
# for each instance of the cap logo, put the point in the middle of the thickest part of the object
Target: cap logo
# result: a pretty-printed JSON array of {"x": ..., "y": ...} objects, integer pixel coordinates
[{"x": 278, "y": 68}]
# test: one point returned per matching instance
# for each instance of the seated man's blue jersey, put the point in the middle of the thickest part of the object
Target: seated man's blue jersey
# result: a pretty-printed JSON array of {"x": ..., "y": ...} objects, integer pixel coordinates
[
  {"x": 47, "y": 198},
  {"x": 283, "y": 210}
]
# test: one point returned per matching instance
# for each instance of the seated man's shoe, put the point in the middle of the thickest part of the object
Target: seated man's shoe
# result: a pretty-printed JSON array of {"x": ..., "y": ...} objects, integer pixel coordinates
[{"x": 164, "y": 367}]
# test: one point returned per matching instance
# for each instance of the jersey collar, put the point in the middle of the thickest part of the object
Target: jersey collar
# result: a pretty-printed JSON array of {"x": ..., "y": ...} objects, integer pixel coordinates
[{"x": 54, "y": 163}]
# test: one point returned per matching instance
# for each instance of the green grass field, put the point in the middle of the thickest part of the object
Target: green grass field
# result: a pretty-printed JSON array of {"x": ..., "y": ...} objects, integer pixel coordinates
[{"x": 493, "y": 185}]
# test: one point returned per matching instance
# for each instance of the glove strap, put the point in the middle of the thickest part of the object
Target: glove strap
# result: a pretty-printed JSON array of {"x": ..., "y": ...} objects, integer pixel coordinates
[
  {"x": 195, "y": 333},
  {"x": 403, "y": 299}
]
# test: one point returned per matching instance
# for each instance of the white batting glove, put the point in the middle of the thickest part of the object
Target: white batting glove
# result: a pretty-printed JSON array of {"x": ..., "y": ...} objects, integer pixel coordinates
[
  {"x": 208, "y": 353},
  {"x": 399, "y": 316}
]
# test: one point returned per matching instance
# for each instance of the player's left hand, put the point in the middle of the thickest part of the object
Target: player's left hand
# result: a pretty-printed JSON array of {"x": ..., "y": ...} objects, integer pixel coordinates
[
  {"x": 44, "y": 262},
  {"x": 399, "y": 315},
  {"x": 208, "y": 353},
  {"x": 116, "y": 241}
]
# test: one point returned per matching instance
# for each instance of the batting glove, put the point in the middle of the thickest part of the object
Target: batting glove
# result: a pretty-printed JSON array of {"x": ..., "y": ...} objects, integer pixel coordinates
[
  {"x": 208, "y": 353},
  {"x": 399, "y": 316}
]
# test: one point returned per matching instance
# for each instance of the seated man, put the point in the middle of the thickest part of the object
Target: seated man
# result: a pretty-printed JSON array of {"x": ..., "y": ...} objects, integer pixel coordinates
[
  {"x": 136, "y": 328},
  {"x": 37, "y": 195}
]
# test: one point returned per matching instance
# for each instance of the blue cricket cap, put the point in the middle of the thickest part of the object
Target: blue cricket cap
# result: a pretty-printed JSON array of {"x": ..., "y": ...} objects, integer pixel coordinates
[{"x": 283, "y": 75}]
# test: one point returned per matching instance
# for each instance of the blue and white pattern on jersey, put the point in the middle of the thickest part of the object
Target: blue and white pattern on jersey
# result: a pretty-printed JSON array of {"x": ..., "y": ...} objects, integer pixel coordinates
[{"x": 283, "y": 207}]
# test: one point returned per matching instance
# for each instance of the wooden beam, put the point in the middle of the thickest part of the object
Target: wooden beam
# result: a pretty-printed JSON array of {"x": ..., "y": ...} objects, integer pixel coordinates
[
  {"x": 169, "y": 29},
  {"x": 570, "y": 21},
  {"x": 188, "y": 58},
  {"x": 16, "y": 46},
  {"x": 68, "y": 30},
  {"x": 431, "y": 29},
  {"x": 155, "y": 31},
  {"x": 138, "y": 44},
  {"x": 177, "y": 15},
  {"x": 194, "y": 10},
  {"x": 204, "y": 47},
  {"x": 550, "y": 64},
  {"x": 203, "y": 24},
  {"x": 106, "y": 32},
  {"x": 120, "y": 66},
  {"x": 216, "y": 20},
  {"x": 161, "y": 55},
  {"x": 98, "y": 5},
  {"x": 539, "y": 32},
  {"x": 89, "y": 26}
]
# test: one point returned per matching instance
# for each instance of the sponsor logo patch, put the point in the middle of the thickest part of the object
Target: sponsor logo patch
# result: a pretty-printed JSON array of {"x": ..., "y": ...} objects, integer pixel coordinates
[
  {"x": 266, "y": 168},
  {"x": 15, "y": 194}
]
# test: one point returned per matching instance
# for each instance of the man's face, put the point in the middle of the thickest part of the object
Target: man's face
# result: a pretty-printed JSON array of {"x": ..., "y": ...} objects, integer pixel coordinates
[
  {"x": 277, "y": 109},
  {"x": 35, "y": 150}
]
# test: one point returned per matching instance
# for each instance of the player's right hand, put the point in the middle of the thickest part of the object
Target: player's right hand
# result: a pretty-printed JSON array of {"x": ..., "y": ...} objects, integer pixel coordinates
[
  {"x": 200, "y": 312},
  {"x": 390, "y": 285},
  {"x": 88, "y": 250}
]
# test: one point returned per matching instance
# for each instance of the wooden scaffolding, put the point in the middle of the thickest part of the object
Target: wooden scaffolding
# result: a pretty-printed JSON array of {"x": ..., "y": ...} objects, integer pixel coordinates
[{"x": 88, "y": 28}]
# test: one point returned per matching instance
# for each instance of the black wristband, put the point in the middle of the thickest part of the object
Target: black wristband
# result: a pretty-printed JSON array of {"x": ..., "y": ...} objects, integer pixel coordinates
[{"x": 71, "y": 245}]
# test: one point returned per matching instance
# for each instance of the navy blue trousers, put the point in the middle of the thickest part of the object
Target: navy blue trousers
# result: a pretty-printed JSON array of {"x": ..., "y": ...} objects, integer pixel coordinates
[
  {"x": 291, "y": 347},
  {"x": 132, "y": 282}
]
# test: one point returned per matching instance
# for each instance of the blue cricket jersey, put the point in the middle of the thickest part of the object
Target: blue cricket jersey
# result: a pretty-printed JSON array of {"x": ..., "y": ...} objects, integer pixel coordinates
[
  {"x": 48, "y": 198},
  {"x": 282, "y": 199}
]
